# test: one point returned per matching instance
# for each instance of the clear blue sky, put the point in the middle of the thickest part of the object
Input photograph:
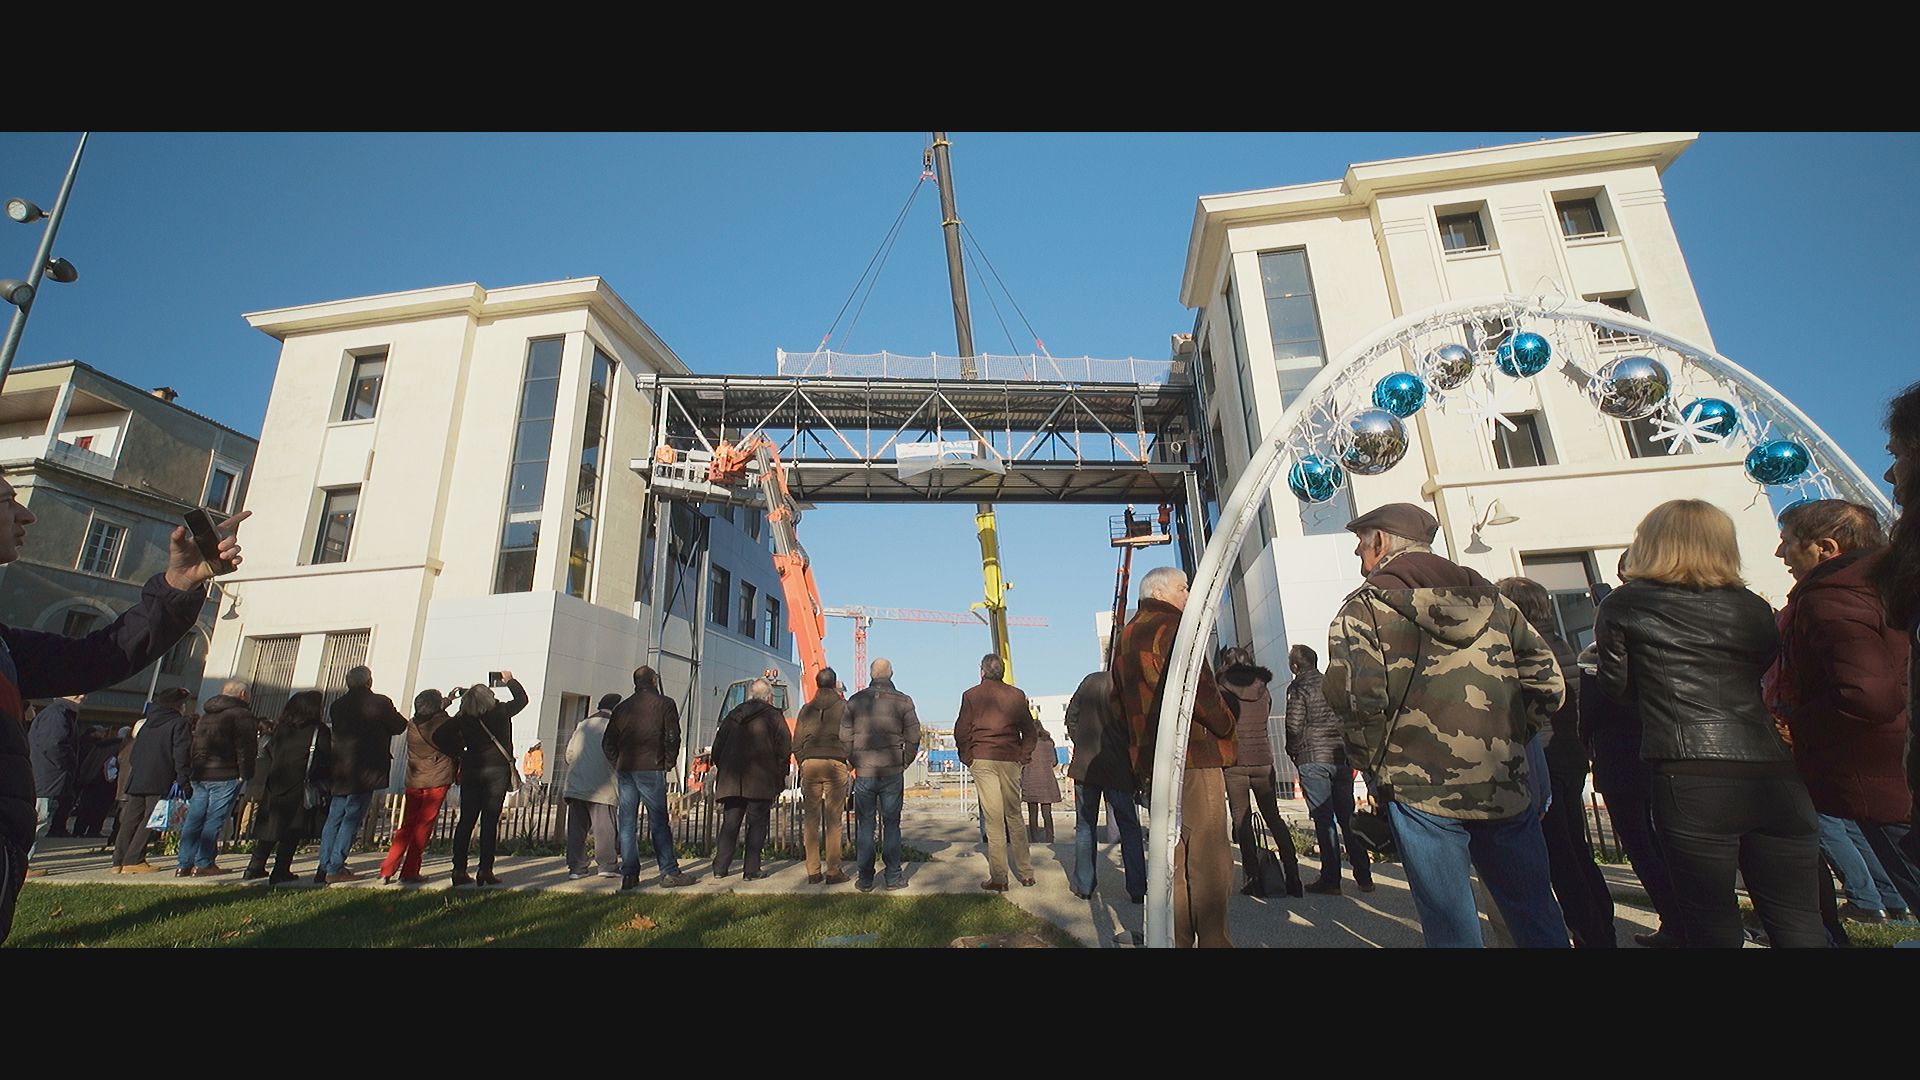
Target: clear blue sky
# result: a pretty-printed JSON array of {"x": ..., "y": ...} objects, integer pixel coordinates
[{"x": 733, "y": 245}]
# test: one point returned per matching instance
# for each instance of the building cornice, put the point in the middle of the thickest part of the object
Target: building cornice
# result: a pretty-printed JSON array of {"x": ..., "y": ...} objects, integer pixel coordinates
[
  {"x": 1365, "y": 182},
  {"x": 473, "y": 301}
]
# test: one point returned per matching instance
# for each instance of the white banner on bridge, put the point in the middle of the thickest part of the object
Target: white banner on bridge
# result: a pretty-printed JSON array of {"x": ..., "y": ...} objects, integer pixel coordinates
[{"x": 912, "y": 459}]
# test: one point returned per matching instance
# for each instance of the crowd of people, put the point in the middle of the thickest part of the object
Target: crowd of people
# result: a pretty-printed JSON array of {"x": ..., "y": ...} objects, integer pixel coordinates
[{"x": 1729, "y": 740}]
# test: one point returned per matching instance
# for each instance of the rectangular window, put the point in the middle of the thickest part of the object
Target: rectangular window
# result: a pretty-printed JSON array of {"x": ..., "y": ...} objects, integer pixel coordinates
[
  {"x": 84, "y": 442},
  {"x": 747, "y": 622},
  {"x": 754, "y": 521},
  {"x": 586, "y": 504},
  {"x": 1487, "y": 335},
  {"x": 1624, "y": 303},
  {"x": 101, "y": 553},
  {"x": 770, "y": 632},
  {"x": 1521, "y": 448},
  {"x": 181, "y": 656},
  {"x": 719, "y": 595},
  {"x": 223, "y": 484},
  {"x": 1579, "y": 218},
  {"x": 267, "y": 663},
  {"x": 1640, "y": 442},
  {"x": 1462, "y": 232},
  {"x": 1569, "y": 581},
  {"x": 527, "y": 469},
  {"x": 337, "y": 513},
  {"x": 1292, "y": 319},
  {"x": 1242, "y": 376},
  {"x": 79, "y": 622},
  {"x": 340, "y": 654},
  {"x": 363, "y": 390}
]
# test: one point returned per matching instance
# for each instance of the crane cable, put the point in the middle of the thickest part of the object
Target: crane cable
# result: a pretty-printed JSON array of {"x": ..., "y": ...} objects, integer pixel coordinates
[
  {"x": 879, "y": 256},
  {"x": 1041, "y": 345}
]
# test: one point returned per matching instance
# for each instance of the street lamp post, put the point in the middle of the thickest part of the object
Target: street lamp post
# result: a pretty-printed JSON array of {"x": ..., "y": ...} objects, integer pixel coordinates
[{"x": 20, "y": 293}]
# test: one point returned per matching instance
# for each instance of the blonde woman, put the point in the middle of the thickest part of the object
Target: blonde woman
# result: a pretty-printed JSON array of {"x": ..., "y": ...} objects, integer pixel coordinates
[{"x": 1686, "y": 642}]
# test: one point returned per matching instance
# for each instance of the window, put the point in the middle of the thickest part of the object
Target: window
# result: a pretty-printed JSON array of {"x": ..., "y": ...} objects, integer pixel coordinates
[
  {"x": 101, "y": 552},
  {"x": 747, "y": 623},
  {"x": 527, "y": 469},
  {"x": 719, "y": 593},
  {"x": 337, "y": 511},
  {"x": 586, "y": 503},
  {"x": 339, "y": 654},
  {"x": 182, "y": 655},
  {"x": 770, "y": 632},
  {"x": 79, "y": 622},
  {"x": 84, "y": 442},
  {"x": 753, "y": 521},
  {"x": 1521, "y": 448},
  {"x": 1462, "y": 231},
  {"x": 1241, "y": 375},
  {"x": 1640, "y": 442},
  {"x": 1579, "y": 218},
  {"x": 223, "y": 483},
  {"x": 1623, "y": 303},
  {"x": 1292, "y": 319},
  {"x": 363, "y": 390},
  {"x": 267, "y": 664},
  {"x": 1569, "y": 581},
  {"x": 1487, "y": 335}
]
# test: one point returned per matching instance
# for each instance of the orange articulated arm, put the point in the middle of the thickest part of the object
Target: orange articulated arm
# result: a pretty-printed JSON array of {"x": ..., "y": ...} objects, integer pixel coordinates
[{"x": 805, "y": 618}]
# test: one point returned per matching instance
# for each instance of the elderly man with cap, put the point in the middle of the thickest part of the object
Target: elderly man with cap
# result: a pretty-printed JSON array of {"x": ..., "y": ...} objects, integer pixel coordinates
[{"x": 1439, "y": 682}]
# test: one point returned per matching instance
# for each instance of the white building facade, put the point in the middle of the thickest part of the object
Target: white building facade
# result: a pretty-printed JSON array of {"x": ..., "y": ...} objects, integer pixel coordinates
[
  {"x": 1286, "y": 278},
  {"x": 443, "y": 490}
]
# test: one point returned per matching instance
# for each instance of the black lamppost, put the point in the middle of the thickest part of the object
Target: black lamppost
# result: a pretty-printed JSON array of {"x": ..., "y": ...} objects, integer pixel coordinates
[{"x": 20, "y": 293}]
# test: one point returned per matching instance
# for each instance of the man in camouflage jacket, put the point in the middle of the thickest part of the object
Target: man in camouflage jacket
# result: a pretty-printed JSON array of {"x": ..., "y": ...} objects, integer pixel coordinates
[{"x": 1439, "y": 682}]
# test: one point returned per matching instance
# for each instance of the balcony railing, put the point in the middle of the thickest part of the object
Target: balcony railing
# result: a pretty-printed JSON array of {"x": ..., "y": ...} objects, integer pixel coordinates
[{"x": 42, "y": 448}]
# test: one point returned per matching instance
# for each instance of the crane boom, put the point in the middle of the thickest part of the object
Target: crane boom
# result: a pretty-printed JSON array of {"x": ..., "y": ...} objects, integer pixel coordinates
[{"x": 757, "y": 461}]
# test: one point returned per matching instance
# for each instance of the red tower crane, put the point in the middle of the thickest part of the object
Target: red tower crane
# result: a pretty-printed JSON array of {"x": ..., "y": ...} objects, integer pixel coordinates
[{"x": 863, "y": 618}]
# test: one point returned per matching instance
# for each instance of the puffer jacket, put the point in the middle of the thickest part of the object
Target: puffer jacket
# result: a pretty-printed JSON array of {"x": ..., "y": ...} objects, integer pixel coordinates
[
  {"x": 1313, "y": 731},
  {"x": 55, "y": 751},
  {"x": 1439, "y": 687},
  {"x": 226, "y": 740},
  {"x": 1845, "y": 692},
  {"x": 880, "y": 730},
  {"x": 816, "y": 734},
  {"x": 1247, "y": 691},
  {"x": 1690, "y": 661},
  {"x": 750, "y": 752}
]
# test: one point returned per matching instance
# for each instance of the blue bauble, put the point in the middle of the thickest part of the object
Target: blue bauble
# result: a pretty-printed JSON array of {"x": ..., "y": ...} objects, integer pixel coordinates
[
  {"x": 1374, "y": 441},
  {"x": 1781, "y": 461},
  {"x": 1400, "y": 394},
  {"x": 1525, "y": 356},
  {"x": 1315, "y": 479},
  {"x": 1723, "y": 419}
]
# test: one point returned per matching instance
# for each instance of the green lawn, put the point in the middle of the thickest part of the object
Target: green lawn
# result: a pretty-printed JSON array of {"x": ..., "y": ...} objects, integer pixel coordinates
[{"x": 159, "y": 916}]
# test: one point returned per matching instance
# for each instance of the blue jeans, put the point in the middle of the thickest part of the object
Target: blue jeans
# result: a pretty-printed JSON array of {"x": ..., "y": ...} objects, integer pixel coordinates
[
  {"x": 1126, "y": 818},
  {"x": 1438, "y": 855},
  {"x": 1538, "y": 781},
  {"x": 43, "y": 821},
  {"x": 1860, "y": 871},
  {"x": 345, "y": 813},
  {"x": 1889, "y": 844},
  {"x": 206, "y": 814},
  {"x": 882, "y": 793},
  {"x": 647, "y": 786},
  {"x": 1329, "y": 792}
]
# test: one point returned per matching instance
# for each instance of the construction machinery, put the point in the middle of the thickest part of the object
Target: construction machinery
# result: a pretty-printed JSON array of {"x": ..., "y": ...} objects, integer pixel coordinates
[
  {"x": 863, "y": 618},
  {"x": 1129, "y": 533}
]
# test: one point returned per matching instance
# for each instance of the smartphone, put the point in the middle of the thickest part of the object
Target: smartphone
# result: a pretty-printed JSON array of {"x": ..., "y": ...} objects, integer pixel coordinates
[
  {"x": 207, "y": 539},
  {"x": 494, "y": 679}
]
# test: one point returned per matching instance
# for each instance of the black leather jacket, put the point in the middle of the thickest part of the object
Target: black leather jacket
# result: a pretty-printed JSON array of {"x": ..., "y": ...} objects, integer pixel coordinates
[{"x": 1691, "y": 663}]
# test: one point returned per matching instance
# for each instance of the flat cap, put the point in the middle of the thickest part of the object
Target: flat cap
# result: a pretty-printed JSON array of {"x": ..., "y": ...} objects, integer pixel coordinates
[{"x": 1400, "y": 519}]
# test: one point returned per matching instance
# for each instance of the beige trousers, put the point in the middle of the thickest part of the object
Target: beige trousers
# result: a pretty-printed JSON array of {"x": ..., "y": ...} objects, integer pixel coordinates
[
  {"x": 1202, "y": 863},
  {"x": 999, "y": 785},
  {"x": 823, "y": 794}
]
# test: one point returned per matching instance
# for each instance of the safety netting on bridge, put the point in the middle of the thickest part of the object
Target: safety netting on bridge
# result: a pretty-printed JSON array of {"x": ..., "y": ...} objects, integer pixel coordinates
[{"x": 985, "y": 367}]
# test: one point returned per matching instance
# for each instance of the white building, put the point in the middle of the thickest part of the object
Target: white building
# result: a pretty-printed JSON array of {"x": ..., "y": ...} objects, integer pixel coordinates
[
  {"x": 1285, "y": 278},
  {"x": 443, "y": 490}
]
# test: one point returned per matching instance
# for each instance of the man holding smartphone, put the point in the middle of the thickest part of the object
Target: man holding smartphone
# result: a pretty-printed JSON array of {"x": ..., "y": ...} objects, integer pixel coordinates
[{"x": 35, "y": 664}]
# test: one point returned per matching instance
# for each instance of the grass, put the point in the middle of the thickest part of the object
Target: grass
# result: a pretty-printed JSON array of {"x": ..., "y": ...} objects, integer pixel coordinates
[{"x": 149, "y": 916}]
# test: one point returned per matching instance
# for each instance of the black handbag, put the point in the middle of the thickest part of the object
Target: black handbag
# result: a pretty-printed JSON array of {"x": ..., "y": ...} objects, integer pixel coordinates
[{"x": 314, "y": 794}]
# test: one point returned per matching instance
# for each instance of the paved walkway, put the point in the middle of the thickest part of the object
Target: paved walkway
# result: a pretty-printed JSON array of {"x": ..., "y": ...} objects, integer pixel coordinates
[{"x": 1383, "y": 918}]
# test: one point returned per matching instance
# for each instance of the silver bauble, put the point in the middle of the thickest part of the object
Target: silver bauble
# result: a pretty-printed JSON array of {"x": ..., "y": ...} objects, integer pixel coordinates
[
  {"x": 1374, "y": 441},
  {"x": 1448, "y": 367},
  {"x": 1631, "y": 388}
]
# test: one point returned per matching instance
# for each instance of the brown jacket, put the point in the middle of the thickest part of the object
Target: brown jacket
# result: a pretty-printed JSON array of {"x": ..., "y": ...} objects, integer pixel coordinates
[
  {"x": 1139, "y": 669},
  {"x": 427, "y": 766},
  {"x": 995, "y": 723}
]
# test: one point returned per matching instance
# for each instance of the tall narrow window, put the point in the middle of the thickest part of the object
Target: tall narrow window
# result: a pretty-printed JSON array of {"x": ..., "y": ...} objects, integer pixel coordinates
[
  {"x": 1521, "y": 448},
  {"x": 222, "y": 484},
  {"x": 267, "y": 663},
  {"x": 1292, "y": 320},
  {"x": 340, "y": 654},
  {"x": 586, "y": 501},
  {"x": 1569, "y": 581},
  {"x": 101, "y": 553},
  {"x": 771, "y": 631},
  {"x": 363, "y": 392},
  {"x": 747, "y": 622},
  {"x": 527, "y": 474},
  {"x": 719, "y": 595},
  {"x": 337, "y": 513}
]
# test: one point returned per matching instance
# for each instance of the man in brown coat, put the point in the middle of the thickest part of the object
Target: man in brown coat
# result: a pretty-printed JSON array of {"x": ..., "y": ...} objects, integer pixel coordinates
[
  {"x": 1202, "y": 861},
  {"x": 995, "y": 735}
]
